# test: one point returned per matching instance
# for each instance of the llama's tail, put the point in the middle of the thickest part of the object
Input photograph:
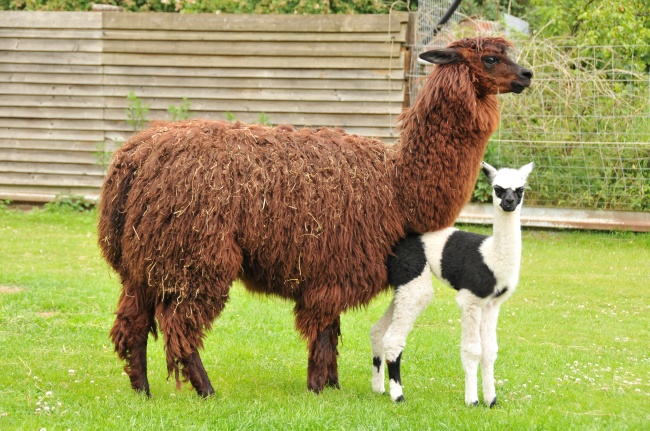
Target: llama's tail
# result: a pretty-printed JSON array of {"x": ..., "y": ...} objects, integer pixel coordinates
[{"x": 113, "y": 197}]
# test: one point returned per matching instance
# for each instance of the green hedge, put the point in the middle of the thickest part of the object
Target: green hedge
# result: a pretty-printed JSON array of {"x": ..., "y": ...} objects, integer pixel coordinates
[{"x": 225, "y": 6}]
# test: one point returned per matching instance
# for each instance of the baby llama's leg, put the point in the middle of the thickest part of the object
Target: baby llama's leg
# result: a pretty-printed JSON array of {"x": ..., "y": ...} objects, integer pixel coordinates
[
  {"x": 490, "y": 349},
  {"x": 377, "y": 345},
  {"x": 470, "y": 343},
  {"x": 411, "y": 299}
]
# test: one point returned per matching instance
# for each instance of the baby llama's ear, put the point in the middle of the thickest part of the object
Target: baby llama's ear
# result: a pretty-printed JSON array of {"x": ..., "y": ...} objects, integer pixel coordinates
[
  {"x": 488, "y": 170},
  {"x": 526, "y": 169},
  {"x": 440, "y": 56}
]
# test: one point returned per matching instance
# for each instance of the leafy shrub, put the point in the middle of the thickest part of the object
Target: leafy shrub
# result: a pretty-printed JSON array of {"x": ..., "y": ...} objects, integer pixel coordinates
[
  {"x": 68, "y": 202},
  {"x": 180, "y": 112},
  {"x": 225, "y": 6}
]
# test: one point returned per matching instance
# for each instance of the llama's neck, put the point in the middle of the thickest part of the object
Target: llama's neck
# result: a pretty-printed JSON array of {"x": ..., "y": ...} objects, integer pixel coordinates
[
  {"x": 444, "y": 136},
  {"x": 507, "y": 235}
]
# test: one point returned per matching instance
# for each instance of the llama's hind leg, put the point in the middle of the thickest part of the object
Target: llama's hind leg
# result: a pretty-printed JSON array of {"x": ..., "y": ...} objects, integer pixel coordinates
[
  {"x": 470, "y": 343},
  {"x": 183, "y": 316},
  {"x": 182, "y": 323},
  {"x": 134, "y": 321},
  {"x": 490, "y": 347},
  {"x": 377, "y": 333},
  {"x": 411, "y": 299}
]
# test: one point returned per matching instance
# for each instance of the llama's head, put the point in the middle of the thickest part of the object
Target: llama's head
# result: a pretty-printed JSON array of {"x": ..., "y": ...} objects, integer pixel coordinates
[
  {"x": 490, "y": 69},
  {"x": 507, "y": 185}
]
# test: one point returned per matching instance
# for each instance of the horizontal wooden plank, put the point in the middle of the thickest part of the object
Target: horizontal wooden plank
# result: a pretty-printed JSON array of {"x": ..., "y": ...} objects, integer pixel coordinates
[
  {"x": 52, "y": 78},
  {"x": 234, "y": 61},
  {"x": 254, "y": 23},
  {"x": 41, "y": 104},
  {"x": 50, "y": 45},
  {"x": 53, "y": 124},
  {"x": 38, "y": 112},
  {"x": 255, "y": 72},
  {"x": 213, "y": 83},
  {"x": 298, "y": 118},
  {"x": 397, "y": 35},
  {"x": 224, "y": 48},
  {"x": 46, "y": 156},
  {"x": 247, "y": 94},
  {"x": 50, "y": 180},
  {"x": 53, "y": 168},
  {"x": 51, "y": 68},
  {"x": 44, "y": 194},
  {"x": 59, "y": 33},
  {"x": 28, "y": 145},
  {"x": 181, "y": 81},
  {"x": 190, "y": 72},
  {"x": 197, "y": 106},
  {"x": 39, "y": 19},
  {"x": 14, "y": 132},
  {"x": 54, "y": 118},
  {"x": 52, "y": 101},
  {"x": 51, "y": 89},
  {"x": 76, "y": 58},
  {"x": 333, "y": 95}
]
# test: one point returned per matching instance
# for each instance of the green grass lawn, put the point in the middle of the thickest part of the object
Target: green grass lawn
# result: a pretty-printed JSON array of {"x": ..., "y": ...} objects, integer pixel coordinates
[{"x": 574, "y": 347}]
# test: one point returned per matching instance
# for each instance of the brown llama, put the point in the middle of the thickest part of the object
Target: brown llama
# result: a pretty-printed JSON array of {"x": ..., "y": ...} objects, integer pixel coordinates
[{"x": 307, "y": 215}]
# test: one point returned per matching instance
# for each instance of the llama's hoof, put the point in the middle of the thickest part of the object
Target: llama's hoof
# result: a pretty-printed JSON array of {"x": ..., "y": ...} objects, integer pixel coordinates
[
  {"x": 333, "y": 384},
  {"x": 206, "y": 391},
  {"x": 493, "y": 403},
  {"x": 144, "y": 390},
  {"x": 472, "y": 403}
]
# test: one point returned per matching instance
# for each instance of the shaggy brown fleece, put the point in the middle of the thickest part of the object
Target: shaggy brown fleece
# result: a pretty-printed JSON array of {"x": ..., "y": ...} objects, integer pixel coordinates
[{"x": 308, "y": 215}]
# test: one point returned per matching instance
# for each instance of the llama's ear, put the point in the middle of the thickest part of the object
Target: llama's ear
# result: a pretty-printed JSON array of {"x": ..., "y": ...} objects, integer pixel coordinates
[
  {"x": 526, "y": 169},
  {"x": 488, "y": 170},
  {"x": 440, "y": 56}
]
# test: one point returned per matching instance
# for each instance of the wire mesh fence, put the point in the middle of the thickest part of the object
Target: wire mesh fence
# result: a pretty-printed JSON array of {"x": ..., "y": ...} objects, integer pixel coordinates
[{"x": 585, "y": 123}]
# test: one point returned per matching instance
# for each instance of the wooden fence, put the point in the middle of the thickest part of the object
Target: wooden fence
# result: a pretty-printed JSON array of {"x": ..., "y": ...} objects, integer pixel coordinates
[{"x": 64, "y": 78}]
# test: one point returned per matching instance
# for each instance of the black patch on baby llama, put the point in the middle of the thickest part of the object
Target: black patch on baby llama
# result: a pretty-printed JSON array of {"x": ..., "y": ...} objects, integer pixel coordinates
[
  {"x": 376, "y": 361},
  {"x": 394, "y": 374},
  {"x": 462, "y": 264},
  {"x": 407, "y": 261}
]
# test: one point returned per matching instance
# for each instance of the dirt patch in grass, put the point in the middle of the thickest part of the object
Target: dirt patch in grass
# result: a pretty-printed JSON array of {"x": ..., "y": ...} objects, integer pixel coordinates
[{"x": 10, "y": 289}]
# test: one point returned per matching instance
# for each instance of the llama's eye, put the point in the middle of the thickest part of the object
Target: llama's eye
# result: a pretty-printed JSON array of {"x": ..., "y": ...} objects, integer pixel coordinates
[
  {"x": 491, "y": 60},
  {"x": 499, "y": 191},
  {"x": 520, "y": 191}
]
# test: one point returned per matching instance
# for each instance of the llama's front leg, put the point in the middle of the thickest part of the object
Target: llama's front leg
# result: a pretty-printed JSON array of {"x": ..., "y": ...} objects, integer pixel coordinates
[
  {"x": 490, "y": 348},
  {"x": 332, "y": 366},
  {"x": 470, "y": 343},
  {"x": 411, "y": 299},
  {"x": 377, "y": 333},
  {"x": 322, "y": 334}
]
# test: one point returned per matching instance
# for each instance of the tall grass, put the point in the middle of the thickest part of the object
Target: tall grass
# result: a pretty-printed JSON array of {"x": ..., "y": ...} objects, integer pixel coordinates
[{"x": 573, "y": 339}]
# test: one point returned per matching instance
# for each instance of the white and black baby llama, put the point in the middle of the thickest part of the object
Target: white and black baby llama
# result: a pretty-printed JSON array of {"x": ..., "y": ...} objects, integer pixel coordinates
[{"x": 485, "y": 272}]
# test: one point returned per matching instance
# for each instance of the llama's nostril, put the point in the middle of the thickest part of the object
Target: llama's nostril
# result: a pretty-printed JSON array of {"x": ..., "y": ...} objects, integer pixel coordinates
[{"x": 527, "y": 73}]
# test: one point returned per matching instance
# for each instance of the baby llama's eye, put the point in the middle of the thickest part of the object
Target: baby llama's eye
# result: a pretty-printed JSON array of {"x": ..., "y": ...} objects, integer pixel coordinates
[
  {"x": 490, "y": 61},
  {"x": 498, "y": 191}
]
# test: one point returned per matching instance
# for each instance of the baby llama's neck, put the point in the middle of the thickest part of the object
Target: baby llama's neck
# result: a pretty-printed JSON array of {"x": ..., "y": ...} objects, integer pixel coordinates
[
  {"x": 507, "y": 235},
  {"x": 444, "y": 136}
]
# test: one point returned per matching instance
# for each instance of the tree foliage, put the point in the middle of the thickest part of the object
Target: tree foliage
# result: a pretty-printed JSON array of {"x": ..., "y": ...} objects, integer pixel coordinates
[{"x": 596, "y": 23}]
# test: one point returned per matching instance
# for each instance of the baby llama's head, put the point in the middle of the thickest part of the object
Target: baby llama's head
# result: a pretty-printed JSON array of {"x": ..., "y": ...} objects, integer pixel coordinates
[{"x": 507, "y": 185}]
